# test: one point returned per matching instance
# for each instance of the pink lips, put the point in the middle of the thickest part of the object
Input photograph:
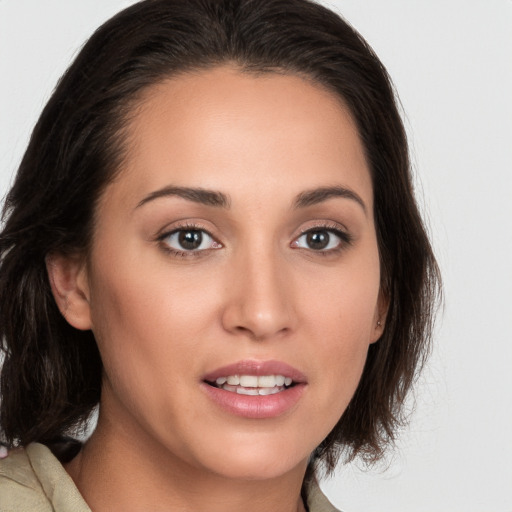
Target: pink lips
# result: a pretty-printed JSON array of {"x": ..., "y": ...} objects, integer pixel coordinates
[{"x": 256, "y": 407}]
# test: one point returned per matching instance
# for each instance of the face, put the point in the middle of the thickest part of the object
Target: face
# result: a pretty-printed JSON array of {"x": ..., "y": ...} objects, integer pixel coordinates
[{"x": 233, "y": 281}]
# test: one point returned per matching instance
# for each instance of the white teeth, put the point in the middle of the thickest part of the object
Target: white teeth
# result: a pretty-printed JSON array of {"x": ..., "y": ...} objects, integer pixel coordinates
[
  {"x": 249, "y": 381},
  {"x": 269, "y": 381},
  {"x": 253, "y": 381},
  {"x": 247, "y": 391},
  {"x": 254, "y": 385},
  {"x": 280, "y": 380},
  {"x": 269, "y": 391}
]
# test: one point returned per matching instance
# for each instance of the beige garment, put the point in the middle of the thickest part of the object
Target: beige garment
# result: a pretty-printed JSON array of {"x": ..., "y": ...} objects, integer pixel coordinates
[{"x": 33, "y": 480}]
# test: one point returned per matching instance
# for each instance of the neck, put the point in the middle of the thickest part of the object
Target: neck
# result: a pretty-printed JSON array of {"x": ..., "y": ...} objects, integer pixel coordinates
[{"x": 117, "y": 470}]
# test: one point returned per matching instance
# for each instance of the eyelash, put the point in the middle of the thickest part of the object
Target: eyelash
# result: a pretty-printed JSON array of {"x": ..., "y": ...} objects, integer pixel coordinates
[
  {"x": 186, "y": 254},
  {"x": 345, "y": 240}
]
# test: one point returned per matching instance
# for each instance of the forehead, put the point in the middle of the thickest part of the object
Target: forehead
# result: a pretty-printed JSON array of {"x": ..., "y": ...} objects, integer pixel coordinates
[{"x": 244, "y": 132}]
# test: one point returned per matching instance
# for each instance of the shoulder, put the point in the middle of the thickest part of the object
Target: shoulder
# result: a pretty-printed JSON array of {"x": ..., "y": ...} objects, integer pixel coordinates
[
  {"x": 20, "y": 489},
  {"x": 33, "y": 479},
  {"x": 317, "y": 501}
]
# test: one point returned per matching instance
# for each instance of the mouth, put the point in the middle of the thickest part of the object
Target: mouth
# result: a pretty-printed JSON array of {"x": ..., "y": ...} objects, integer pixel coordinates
[
  {"x": 253, "y": 385},
  {"x": 255, "y": 389}
]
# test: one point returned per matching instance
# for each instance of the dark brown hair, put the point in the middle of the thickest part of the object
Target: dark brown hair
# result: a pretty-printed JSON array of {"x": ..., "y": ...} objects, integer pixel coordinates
[{"x": 51, "y": 376}]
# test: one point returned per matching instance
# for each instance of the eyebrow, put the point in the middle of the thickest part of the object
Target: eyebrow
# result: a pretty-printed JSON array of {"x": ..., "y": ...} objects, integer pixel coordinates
[
  {"x": 196, "y": 195},
  {"x": 220, "y": 200},
  {"x": 319, "y": 195}
]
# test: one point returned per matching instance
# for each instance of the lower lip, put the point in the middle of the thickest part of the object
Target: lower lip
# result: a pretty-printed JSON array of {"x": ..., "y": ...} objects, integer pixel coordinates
[{"x": 256, "y": 407}]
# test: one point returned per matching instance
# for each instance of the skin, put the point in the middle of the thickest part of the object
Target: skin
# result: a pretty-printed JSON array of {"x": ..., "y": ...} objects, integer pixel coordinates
[{"x": 257, "y": 291}]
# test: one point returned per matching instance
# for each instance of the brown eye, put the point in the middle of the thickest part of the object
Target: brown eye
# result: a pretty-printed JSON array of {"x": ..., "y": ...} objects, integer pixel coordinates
[
  {"x": 317, "y": 240},
  {"x": 190, "y": 240},
  {"x": 322, "y": 240}
]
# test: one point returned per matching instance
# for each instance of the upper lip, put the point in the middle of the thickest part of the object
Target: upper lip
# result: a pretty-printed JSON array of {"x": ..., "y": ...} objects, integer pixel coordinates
[{"x": 258, "y": 368}]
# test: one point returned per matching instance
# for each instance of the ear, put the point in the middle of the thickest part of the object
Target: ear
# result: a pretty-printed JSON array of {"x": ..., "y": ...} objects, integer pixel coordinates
[
  {"x": 381, "y": 313},
  {"x": 68, "y": 281}
]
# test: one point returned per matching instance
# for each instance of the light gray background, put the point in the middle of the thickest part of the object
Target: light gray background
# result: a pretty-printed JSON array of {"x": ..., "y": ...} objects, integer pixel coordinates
[{"x": 451, "y": 63}]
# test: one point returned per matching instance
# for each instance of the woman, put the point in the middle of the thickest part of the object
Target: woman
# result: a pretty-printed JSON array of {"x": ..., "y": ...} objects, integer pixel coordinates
[{"x": 213, "y": 236}]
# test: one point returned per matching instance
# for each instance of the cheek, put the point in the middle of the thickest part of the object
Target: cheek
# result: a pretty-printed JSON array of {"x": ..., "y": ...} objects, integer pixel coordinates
[
  {"x": 146, "y": 333},
  {"x": 342, "y": 316},
  {"x": 144, "y": 318},
  {"x": 344, "y": 301}
]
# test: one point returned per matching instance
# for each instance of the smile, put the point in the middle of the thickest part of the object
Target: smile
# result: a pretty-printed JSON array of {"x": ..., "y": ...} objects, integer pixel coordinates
[
  {"x": 255, "y": 385},
  {"x": 255, "y": 389}
]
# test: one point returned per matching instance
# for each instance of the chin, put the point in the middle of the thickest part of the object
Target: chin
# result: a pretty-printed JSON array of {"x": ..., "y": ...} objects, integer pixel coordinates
[
  {"x": 258, "y": 461},
  {"x": 253, "y": 471}
]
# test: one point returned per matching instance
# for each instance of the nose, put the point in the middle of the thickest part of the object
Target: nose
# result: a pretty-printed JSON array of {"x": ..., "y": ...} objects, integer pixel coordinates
[{"x": 259, "y": 303}]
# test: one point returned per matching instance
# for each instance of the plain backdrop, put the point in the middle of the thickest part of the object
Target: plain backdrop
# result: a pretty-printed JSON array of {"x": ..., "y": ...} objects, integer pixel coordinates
[{"x": 451, "y": 61}]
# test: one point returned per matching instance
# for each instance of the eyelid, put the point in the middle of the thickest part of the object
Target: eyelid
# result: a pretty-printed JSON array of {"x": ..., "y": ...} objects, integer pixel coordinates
[
  {"x": 180, "y": 225},
  {"x": 186, "y": 226},
  {"x": 346, "y": 238},
  {"x": 327, "y": 225}
]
